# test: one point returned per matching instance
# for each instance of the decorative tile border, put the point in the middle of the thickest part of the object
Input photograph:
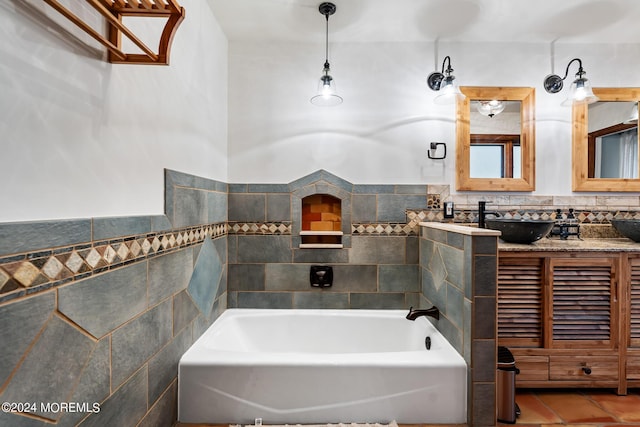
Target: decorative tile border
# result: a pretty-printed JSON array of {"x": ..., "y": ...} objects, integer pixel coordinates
[
  {"x": 250, "y": 228},
  {"x": 37, "y": 271},
  {"x": 385, "y": 229}
]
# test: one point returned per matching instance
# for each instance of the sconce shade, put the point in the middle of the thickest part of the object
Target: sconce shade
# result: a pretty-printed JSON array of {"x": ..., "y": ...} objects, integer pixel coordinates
[
  {"x": 326, "y": 95},
  {"x": 580, "y": 90},
  {"x": 445, "y": 83}
]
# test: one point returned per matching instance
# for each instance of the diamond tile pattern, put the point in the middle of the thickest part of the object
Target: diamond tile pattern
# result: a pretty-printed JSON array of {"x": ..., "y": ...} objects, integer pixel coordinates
[{"x": 43, "y": 269}]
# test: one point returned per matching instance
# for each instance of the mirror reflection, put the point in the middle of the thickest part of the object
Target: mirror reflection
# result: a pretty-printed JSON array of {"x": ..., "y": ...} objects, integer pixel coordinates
[
  {"x": 495, "y": 139},
  {"x": 613, "y": 139}
]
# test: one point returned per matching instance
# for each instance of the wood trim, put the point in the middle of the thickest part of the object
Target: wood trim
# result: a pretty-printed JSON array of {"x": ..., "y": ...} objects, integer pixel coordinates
[
  {"x": 527, "y": 139},
  {"x": 580, "y": 145},
  {"x": 113, "y": 11}
]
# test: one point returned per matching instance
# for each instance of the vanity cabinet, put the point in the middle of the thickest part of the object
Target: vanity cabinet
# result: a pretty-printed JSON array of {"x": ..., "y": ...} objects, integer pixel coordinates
[{"x": 560, "y": 315}]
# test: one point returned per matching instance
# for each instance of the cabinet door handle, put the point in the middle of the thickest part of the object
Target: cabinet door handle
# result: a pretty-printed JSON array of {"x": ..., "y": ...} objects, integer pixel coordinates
[{"x": 586, "y": 370}]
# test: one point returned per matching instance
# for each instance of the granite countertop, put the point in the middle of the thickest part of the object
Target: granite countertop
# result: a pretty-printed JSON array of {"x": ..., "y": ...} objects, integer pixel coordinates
[{"x": 572, "y": 244}]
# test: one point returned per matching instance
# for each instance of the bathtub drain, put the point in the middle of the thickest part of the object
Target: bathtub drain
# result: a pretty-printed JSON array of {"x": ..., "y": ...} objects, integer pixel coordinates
[{"x": 427, "y": 343}]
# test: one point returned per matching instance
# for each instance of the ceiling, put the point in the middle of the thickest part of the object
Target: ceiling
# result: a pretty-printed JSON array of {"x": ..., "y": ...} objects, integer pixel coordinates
[{"x": 362, "y": 21}]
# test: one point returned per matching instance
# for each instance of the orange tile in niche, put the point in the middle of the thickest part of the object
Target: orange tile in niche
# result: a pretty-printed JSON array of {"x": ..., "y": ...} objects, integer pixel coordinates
[
  {"x": 575, "y": 408},
  {"x": 626, "y": 408}
]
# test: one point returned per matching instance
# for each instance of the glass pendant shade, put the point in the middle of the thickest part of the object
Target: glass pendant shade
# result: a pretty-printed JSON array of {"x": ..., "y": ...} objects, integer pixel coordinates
[
  {"x": 326, "y": 96},
  {"x": 449, "y": 91},
  {"x": 580, "y": 92},
  {"x": 490, "y": 108}
]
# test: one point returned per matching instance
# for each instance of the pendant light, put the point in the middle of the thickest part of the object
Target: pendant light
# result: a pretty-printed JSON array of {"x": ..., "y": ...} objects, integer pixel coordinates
[
  {"x": 445, "y": 83},
  {"x": 633, "y": 116},
  {"x": 326, "y": 96},
  {"x": 490, "y": 108},
  {"x": 580, "y": 90}
]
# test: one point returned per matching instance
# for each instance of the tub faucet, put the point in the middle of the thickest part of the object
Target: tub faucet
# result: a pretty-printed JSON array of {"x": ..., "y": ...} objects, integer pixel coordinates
[
  {"x": 482, "y": 213},
  {"x": 433, "y": 312}
]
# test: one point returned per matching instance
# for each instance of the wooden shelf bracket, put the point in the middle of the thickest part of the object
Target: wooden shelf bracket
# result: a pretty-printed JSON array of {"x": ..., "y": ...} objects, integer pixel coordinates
[{"x": 114, "y": 10}]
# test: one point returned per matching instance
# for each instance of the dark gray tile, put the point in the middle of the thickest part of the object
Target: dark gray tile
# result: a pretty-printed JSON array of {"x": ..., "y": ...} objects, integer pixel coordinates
[
  {"x": 437, "y": 267},
  {"x": 125, "y": 407},
  {"x": 484, "y": 404},
  {"x": 163, "y": 367},
  {"x": 232, "y": 249},
  {"x": 10, "y": 419},
  {"x": 377, "y": 301},
  {"x": 439, "y": 236},
  {"x": 265, "y": 300},
  {"x": 399, "y": 278},
  {"x": 359, "y": 278},
  {"x": 101, "y": 303},
  {"x": 413, "y": 250},
  {"x": 22, "y": 321},
  {"x": 190, "y": 207},
  {"x": 135, "y": 342},
  {"x": 160, "y": 223},
  {"x": 16, "y": 237},
  {"x": 455, "y": 306},
  {"x": 94, "y": 385},
  {"x": 247, "y": 207},
  {"x": 451, "y": 333},
  {"x": 364, "y": 208},
  {"x": 320, "y": 300},
  {"x": 393, "y": 207},
  {"x": 278, "y": 207},
  {"x": 267, "y": 188},
  {"x": 246, "y": 277},
  {"x": 287, "y": 277},
  {"x": 221, "y": 246},
  {"x": 205, "y": 279},
  {"x": 184, "y": 311},
  {"x": 454, "y": 264},
  {"x": 456, "y": 240},
  {"x": 484, "y": 360},
  {"x": 484, "y": 317},
  {"x": 238, "y": 188},
  {"x": 51, "y": 368},
  {"x": 485, "y": 275},
  {"x": 169, "y": 274},
  {"x": 217, "y": 207},
  {"x": 163, "y": 412},
  {"x": 109, "y": 228},
  {"x": 485, "y": 245},
  {"x": 343, "y": 184},
  {"x": 378, "y": 250},
  {"x": 305, "y": 180},
  {"x": 264, "y": 249},
  {"x": 426, "y": 252},
  {"x": 437, "y": 294},
  {"x": 412, "y": 299},
  {"x": 321, "y": 256},
  {"x": 373, "y": 189},
  {"x": 411, "y": 189}
]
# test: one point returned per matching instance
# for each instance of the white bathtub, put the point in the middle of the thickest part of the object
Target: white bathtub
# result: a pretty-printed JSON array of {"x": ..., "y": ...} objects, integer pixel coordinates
[{"x": 321, "y": 366}]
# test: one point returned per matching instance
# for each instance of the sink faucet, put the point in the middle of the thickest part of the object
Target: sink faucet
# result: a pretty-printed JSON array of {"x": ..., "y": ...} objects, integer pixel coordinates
[
  {"x": 433, "y": 312},
  {"x": 482, "y": 213}
]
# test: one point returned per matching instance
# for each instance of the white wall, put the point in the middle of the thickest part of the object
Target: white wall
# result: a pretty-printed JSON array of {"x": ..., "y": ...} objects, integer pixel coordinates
[
  {"x": 381, "y": 132},
  {"x": 81, "y": 137}
]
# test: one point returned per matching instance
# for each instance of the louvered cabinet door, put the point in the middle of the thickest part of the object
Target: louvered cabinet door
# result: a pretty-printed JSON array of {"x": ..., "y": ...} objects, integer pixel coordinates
[
  {"x": 583, "y": 303},
  {"x": 520, "y": 299},
  {"x": 633, "y": 354}
]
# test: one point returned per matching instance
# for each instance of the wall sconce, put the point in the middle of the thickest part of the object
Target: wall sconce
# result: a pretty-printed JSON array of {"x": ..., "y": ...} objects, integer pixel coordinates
[
  {"x": 490, "y": 108},
  {"x": 327, "y": 95},
  {"x": 580, "y": 91},
  {"x": 445, "y": 83},
  {"x": 433, "y": 149}
]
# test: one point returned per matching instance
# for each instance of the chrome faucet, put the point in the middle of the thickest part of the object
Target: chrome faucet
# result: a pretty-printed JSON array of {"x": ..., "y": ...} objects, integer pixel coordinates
[
  {"x": 482, "y": 213},
  {"x": 414, "y": 314}
]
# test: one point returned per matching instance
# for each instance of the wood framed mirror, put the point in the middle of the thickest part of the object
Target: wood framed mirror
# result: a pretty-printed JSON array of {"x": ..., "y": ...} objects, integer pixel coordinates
[
  {"x": 605, "y": 142},
  {"x": 495, "y": 139}
]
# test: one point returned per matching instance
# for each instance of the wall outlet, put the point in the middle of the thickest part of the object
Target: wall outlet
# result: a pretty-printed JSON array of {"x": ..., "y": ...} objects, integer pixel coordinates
[{"x": 448, "y": 209}]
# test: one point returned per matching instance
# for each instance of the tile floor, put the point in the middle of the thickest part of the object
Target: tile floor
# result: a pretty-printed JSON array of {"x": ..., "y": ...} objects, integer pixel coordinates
[{"x": 577, "y": 408}]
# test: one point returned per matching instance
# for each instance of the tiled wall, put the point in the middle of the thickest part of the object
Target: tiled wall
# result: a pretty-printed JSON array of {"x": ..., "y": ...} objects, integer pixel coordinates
[
  {"x": 376, "y": 268},
  {"x": 100, "y": 310},
  {"x": 459, "y": 276}
]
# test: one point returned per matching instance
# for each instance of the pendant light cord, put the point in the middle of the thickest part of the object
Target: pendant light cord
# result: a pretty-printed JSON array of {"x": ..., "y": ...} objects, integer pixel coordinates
[{"x": 326, "y": 39}]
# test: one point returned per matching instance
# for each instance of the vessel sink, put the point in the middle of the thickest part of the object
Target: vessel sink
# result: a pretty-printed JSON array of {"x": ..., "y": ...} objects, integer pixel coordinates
[
  {"x": 628, "y": 228},
  {"x": 520, "y": 230}
]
